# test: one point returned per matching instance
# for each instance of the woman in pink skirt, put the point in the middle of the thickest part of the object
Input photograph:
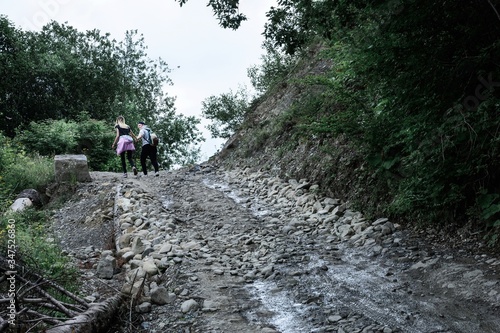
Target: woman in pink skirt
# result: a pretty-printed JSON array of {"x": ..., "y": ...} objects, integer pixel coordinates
[{"x": 124, "y": 142}]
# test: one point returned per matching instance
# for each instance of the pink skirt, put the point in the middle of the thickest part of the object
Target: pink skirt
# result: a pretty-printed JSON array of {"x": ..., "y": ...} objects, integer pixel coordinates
[{"x": 123, "y": 145}]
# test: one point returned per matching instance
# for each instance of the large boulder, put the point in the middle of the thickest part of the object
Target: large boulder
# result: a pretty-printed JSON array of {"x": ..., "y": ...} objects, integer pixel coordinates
[
  {"x": 27, "y": 198},
  {"x": 70, "y": 168},
  {"x": 33, "y": 195}
]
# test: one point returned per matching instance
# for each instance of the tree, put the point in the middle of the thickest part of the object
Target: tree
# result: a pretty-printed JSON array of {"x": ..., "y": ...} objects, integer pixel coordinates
[
  {"x": 415, "y": 85},
  {"x": 178, "y": 134},
  {"x": 226, "y": 11},
  {"x": 144, "y": 98},
  {"x": 57, "y": 73},
  {"x": 292, "y": 23},
  {"x": 273, "y": 69},
  {"x": 226, "y": 111},
  {"x": 60, "y": 73},
  {"x": 14, "y": 66}
]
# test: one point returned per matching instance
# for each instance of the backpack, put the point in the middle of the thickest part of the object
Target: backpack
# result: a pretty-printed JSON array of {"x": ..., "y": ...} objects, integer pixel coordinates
[{"x": 152, "y": 138}]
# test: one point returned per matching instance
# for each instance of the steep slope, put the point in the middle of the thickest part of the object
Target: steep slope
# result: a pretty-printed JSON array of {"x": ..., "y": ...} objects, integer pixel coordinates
[
  {"x": 268, "y": 140},
  {"x": 272, "y": 139}
]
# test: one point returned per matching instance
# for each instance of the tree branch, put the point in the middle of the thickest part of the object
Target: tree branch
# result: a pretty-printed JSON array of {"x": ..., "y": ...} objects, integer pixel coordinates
[
  {"x": 42, "y": 317},
  {"x": 63, "y": 291},
  {"x": 494, "y": 9},
  {"x": 3, "y": 324},
  {"x": 42, "y": 292}
]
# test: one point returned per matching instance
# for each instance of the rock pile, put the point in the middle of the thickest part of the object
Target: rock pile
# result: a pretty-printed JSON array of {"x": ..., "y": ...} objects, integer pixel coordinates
[
  {"x": 309, "y": 213},
  {"x": 238, "y": 250},
  {"x": 151, "y": 239}
]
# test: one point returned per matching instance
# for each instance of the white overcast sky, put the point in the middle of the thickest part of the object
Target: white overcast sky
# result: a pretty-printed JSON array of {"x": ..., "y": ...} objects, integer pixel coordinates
[{"x": 212, "y": 60}]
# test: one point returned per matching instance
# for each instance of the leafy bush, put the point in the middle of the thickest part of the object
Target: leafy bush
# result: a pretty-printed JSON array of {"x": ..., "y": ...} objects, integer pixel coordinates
[
  {"x": 50, "y": 137},
  {"x": 94, "y": 139},
  {"x": 87, "y": 136},
  {"x": 35, "y": 250},
  {"x": 7, "y": 158},
  {"x": 274, "y": 68},
  {"x": 396, "y": 80},
  {"x": 433, "y": 157},
  {"x": 30, "y": 172},
  {"x": 19, "y": 171},
  {"x": 226, "y": 111}
]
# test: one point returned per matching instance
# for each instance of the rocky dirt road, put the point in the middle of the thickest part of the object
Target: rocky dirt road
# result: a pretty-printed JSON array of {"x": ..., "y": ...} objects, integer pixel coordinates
[{"x": 214, "y": 250}]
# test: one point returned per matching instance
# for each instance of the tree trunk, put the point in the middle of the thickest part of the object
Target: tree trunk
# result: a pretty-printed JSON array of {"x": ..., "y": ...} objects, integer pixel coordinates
[{"x": 96, "y": 319}]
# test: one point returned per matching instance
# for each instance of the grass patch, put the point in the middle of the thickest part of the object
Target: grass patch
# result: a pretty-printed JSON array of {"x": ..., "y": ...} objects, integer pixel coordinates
[{"x": 35, "y": 249}]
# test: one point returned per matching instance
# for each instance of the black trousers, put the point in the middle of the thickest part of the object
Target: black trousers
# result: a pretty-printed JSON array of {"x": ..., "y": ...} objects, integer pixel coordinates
[
  {"x": 152, "y": 153},
  {"x": 129, "y": 158}
]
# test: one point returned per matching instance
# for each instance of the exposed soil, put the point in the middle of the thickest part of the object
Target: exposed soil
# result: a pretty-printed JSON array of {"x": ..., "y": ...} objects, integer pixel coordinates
[{"x": 253, "y": 262}]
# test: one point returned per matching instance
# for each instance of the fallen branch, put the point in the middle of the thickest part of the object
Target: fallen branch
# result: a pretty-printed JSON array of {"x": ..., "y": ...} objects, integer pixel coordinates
[
  {"x": 42, "y": 292},
  {"x": 98, "y": 317},
  {"x": 42, "y": 317},
  {"x": 3, "y": 324},
  {"x": 61, "y": 290}
]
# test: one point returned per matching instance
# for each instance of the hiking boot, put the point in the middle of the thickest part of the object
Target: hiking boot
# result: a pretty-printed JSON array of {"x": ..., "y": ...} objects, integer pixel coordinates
[
  {"x": 157, "y": 173},
  {"x": 135, "y": 171},
  {"x": 125, "y": 175}
]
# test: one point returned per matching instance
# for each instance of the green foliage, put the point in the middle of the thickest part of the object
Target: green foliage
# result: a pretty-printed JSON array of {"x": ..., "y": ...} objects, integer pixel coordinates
[
  {"x": 50, "y": 137},
  {"x": 19, "y": 171},
  {"x": 274, "y": 68},
  {"x": 35, "y": 250},
  {"x": 489, "y": 204},
  {"x": 420, "y": 97},
  {"x": 94, "y": 139},
  {"x": 56, "y": 73},
  {"x": 445, "y": 153},
  {"x": 226, "y": 112},
  {"x": 7, "y": 158},
  {"x": 53, "y": 137},
  {"x": 226, "y": 11},
  {"x": 293, "y": 24},
  {"x": 63, "y": 75},
  {"x": 29, "y": 172},
  {"x": 415, "y": 85},
  {"x": 179, "y": 137}
]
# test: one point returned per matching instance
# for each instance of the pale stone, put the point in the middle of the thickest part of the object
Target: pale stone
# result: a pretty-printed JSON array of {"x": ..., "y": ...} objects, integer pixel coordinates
[
  {"x": 150, "y": 268},
  {"x": 106, "y": 267},
  {"x": 70, "y": 168},
  {"x": 161, "y": 296},
  {"x": 189, "y": 305},
  {"x": 21, "y": 204}
]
